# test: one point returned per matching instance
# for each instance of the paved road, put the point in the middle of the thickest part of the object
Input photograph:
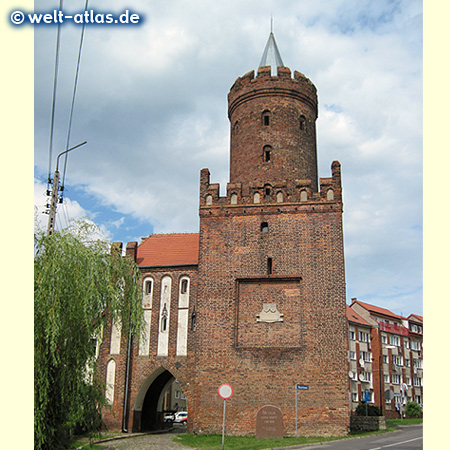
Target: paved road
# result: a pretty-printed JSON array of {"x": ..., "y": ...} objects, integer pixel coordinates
[{"x": 407, "y": 438}]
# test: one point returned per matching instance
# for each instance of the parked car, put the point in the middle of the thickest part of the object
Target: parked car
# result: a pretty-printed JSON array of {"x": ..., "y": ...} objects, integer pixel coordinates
[
  {"x": 169, "y": 417},
  {"x": 181, "y": 417}
]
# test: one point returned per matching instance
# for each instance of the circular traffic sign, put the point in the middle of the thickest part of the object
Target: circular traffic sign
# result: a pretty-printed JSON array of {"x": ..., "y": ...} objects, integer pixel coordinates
[{"x": 225, "y": 391}]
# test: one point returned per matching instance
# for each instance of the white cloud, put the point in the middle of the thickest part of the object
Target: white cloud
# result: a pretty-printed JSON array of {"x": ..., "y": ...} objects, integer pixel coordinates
[{"x": 151, "y": 102}]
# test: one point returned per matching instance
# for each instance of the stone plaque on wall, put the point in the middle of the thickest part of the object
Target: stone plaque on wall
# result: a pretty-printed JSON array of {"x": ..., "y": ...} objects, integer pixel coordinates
[{"x": 269, "y": 422}]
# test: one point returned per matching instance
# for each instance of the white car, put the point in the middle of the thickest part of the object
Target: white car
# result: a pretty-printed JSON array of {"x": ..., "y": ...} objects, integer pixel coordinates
[{"x": 181, "y": 417}]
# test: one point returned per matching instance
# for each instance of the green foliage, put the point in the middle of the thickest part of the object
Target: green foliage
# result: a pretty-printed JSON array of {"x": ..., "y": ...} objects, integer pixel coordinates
[
  {"x": 372, "y": 410},
  {"x": 78, "y": 287},
  {"x": 413, "y": 409}
]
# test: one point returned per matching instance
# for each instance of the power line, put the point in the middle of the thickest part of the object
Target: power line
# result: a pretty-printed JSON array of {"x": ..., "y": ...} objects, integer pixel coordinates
[
  {"x": 55, "y": 83},
  {"x": 73, "y": 98}
]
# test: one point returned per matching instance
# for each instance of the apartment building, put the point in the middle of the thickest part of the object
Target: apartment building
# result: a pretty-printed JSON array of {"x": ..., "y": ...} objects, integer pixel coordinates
[{"x": 385, "y": 358}]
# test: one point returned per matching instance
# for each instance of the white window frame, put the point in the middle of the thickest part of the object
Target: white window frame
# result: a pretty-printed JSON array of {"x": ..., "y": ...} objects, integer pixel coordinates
[{"x": 363, "y": 337}]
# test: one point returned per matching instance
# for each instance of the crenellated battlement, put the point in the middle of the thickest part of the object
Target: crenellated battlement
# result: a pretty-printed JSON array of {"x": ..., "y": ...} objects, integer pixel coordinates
[
  {"x": 264, "y": 84},
  {"x": 297, "y": 192}
]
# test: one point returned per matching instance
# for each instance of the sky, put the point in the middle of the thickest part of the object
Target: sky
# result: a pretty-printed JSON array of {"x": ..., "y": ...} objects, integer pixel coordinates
[{"x": 151, "y": 102}]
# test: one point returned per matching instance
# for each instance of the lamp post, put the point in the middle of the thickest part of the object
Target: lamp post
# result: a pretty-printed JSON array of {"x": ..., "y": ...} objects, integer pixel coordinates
[{"x": 54, "y": 197}]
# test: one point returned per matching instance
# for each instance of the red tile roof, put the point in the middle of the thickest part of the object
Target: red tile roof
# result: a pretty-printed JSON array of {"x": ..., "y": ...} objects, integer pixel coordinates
[
  {"x": 378, "y": 310},
  {"x": 415, "y": 316},
  {"x": 178, "y": 249},
  {"x": 354, "y": 317}
]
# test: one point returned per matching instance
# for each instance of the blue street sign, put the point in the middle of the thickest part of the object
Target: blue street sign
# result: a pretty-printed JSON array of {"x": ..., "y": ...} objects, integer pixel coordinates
[
  {"x": 366, "y": 395},
  {"x": 302, "y": 387}
]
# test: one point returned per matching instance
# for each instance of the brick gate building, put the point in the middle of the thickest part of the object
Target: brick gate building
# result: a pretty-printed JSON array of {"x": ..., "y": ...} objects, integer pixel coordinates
[{"x": 256, "y": 299}]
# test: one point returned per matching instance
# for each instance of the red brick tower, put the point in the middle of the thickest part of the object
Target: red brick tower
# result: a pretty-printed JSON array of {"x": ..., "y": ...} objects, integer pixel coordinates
[{"x": 271, "y": 309}]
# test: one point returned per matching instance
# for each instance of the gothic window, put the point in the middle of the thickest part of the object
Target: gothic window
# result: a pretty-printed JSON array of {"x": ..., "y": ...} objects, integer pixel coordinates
[
  {"x": 147, "y": 293},
  {"x": 266, "y": 118},
  {"x": 164, "y": 319},
  {"x": 279, "y": 197},
  {"x": 183, "y": 316},
  {"x": 256, "y": 197},
  {"x": 303, "y": 196},
  {"x": 267, "y": 153},
  {"x": 208, "y": 200},
  {"x": 233, "y": 199},
  {"x": 164, "y": 316},
  {"x": 330, "y": 194}
]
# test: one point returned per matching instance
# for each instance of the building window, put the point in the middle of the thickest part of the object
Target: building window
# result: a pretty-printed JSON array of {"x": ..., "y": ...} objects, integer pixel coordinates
[
  {"x": 365, "y": 356},
  {"x": 266, "y": 118},
  {"x": 354, "y": 397},
  {"x": 303, "y": 195},
  {"x": 397, "y": 360},
  {"x": 256, "y": 197},
  {"x": 264, "y": 227},
  {"x": 303, "y": 123},
  {"x": 394, "y": 340},
  {"x": 407, "y": 363},
  {"x": 233, "y": 199},
  {"x": 419, "y": 399},
  {"x": 363, "y": 337},
  {"x": 366, "y": 377},
  {"x": 184, "y": 286},
  {"x": 417, "y": 382},
  {"x": 352, "y": 335},
  {"x": 164, "y": 319},
  {"x": 148, "y": 287},
  {"x": 330, "y": 194},
  {"x": 415, "y": 345},
  {"x": 386, "y": 378},
  {"x": 353, "y": 356},
  {"x": 279, "y": 197},
  {"x": 406, "y": 342},
  {"x": 267, "y": 152},
  {"x": 208, "y": 200},
  {"x": 395, "y": 378},
  {"x": 269, "y": 266},
  {"x": 386, "y": 359},
  {"x": 418, "y": 363},
  {"x": 384, "y": 339}
]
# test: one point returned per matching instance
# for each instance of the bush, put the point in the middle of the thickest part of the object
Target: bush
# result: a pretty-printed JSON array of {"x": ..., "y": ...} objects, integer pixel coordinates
[
  {"x": 372, "y": 410},
  {"x": 413, "y": 409}
]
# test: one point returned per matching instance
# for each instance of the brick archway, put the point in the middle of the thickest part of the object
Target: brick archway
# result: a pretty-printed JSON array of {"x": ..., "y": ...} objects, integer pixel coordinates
[{"x": 148, "y": 411}]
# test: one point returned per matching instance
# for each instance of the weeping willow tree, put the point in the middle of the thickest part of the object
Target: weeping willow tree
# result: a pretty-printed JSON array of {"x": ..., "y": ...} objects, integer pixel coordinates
[{"x": 79, "y": 286}]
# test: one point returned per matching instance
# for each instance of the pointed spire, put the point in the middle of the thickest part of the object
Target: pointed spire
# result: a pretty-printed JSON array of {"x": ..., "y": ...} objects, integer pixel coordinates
[{"x": 271, "y": 56}]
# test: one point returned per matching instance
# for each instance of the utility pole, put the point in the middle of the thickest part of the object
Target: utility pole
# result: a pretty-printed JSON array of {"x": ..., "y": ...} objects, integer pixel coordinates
[{"x": 54, "y": 197}]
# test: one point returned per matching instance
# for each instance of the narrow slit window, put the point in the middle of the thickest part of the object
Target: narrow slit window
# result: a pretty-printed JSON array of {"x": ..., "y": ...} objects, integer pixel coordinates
[
  {"x": 269, "y": 266},
  {"x": 303, "y": 123},
  {"x": 267, "y": 153},
  {"x": 264, "y": 227},
  {"x": 266, "y": 118}
]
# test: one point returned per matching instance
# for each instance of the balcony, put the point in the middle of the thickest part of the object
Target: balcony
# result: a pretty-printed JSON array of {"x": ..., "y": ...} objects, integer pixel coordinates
[{"x": 395, "y": 329}]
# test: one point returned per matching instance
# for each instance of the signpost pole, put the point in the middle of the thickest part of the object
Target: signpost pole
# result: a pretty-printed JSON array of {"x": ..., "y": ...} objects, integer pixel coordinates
[
  {"x": 225, "y": 392},
  {"x": 298, "y": 387},
  {"x": 296, "y": 413},
  {"x": 223, "y": 425}
]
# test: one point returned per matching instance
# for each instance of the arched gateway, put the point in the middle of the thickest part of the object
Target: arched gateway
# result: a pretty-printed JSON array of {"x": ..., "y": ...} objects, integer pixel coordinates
[{"x": 256, "y": 299}]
